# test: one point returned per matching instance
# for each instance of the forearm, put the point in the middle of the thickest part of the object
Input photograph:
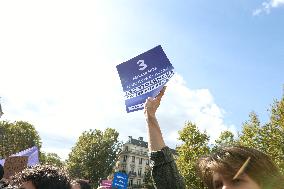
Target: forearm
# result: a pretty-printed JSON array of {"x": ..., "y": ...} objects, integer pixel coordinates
[
  {"x": 165, "y": 172},
  {"x": 155, "y": 137}
]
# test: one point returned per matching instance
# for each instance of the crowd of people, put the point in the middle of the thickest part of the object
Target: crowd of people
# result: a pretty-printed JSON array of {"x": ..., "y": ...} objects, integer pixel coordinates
[
  {"x": 42, "y": 177},
  {"x": 232, "y": 167}
]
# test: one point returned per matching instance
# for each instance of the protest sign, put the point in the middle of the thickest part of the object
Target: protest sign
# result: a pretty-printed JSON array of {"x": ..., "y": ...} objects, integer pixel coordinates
[
  {"x": 14, "y": 164},
  {"x": 32, "y": 154},
  {"x": 144, "y": 76},
  {"x": 106, "y": 184},
  {"x": 120, "y": 180}
]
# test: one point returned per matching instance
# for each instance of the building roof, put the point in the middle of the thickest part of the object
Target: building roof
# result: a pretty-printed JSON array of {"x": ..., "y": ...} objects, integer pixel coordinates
[
  {"x": 137, "y": 142},
  {"x": 140, "y": 142}
]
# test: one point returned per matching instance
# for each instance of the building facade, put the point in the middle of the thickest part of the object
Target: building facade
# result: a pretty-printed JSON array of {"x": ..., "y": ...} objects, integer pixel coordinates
[{"x": 134, "y": 160}]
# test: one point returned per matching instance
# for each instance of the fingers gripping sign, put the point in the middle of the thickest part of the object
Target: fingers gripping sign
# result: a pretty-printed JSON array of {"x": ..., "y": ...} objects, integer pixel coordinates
[{"x": 152, "y": 104}]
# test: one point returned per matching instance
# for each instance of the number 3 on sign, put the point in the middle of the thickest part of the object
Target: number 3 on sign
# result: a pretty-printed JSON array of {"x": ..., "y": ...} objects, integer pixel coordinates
[{"x": 142, "y": 65}]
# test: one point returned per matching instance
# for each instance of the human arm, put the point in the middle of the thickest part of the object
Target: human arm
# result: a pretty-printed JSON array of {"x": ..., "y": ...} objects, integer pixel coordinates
[
  {"x": 164, "y": 169},
  {"x": 155, "y": 138}
]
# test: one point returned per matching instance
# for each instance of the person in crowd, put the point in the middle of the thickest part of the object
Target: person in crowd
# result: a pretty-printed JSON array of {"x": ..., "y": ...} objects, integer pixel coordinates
[
  {"x": 234, "y": 167},
  {"x": 42, "y": 177},
  {"x": 2, "y": 181},
  {"x": 239, "y": 167},
  {"x": 1, "y": 171},
  {"x": 80, "y": 184},
  {"x": 4, "y": 184},
  {"x": 109, "y": 178}
]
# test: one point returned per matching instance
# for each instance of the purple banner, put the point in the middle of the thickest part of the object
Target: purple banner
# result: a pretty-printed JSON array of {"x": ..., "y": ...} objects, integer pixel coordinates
[
  {"x": 106, "y": 184},
  {"x": 32, "y": 153}
]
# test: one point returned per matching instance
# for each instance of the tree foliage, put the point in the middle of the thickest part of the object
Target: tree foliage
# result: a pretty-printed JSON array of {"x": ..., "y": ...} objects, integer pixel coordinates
[
  {"x": 226, "y": 138},
  {"x": 250, "y": 134},
  {"x": 269, "y": 137},
  {"x": 272, "y": 134},
  {"x": 17, "y": 136},
  {"x": 195, "y": 144},
  {"x": 51, "y": 158},
  {"x": 94, "y": 155}
]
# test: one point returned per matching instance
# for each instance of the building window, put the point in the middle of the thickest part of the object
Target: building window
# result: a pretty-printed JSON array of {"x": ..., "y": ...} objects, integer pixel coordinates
[
  {"x": 133, "y": 158},
  {"x": 123, "y": 167},
  {"x": 139, "y": 182},
  {"x": 139, "y": 171},
  {"x": 126, "y": 148},
  {"x": 140, "y": 161},
  {"x": 130, "y": 182},
  {"x": 147, "y": 162},
  {"x": 124, "y": 158}
]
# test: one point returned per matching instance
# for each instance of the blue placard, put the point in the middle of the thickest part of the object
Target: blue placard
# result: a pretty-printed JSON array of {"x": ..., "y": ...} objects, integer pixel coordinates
[
  {"x": 120, "y": 180},
  {"x": 144, "y": 76}
]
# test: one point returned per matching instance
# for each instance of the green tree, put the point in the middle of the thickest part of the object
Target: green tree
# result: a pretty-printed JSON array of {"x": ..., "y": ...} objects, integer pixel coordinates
[
  {"x": 268, "y": 138},
  {"x": 226, "y": 138},
  {"x": 94, "y": 155},
  {"x": 277, "y": 113},
  {"x": 195, "y": 144},
  {"x": 250, "y": 134},
  {"x": 17, "y": 136},
  {"x": 51, "y": 158},
  {"x": 272, "y": 134}
]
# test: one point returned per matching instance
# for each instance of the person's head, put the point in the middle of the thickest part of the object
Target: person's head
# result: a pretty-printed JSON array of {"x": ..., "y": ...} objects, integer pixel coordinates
[
  {"x": 81, "y": 184},
  {"x": 218, "y": 171},
  {"x": 42, "y": 177}
]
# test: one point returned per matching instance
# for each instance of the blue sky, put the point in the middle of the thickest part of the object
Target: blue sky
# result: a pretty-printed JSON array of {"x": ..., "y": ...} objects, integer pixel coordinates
[
  {"x": 222, "y": 47},
  {"x": 58, "y": 58}
]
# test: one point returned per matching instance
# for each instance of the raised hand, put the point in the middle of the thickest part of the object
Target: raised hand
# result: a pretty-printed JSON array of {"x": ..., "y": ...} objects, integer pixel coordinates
[{"x": 152, "y": 104}]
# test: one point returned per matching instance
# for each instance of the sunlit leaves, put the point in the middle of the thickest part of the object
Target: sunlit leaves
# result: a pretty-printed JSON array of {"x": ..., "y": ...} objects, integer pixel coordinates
[
  {"x": 17, "y": 136},
  {"x": 94, "y": 155}
]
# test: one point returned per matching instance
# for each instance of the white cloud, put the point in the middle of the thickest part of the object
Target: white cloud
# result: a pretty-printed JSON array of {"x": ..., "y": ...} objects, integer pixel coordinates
[
  {"x": 277, "y": 3},
  {"x": 267, "y": 6},
  {"x": 61, "y": 120},
  {"x": 184, "y": 104}
]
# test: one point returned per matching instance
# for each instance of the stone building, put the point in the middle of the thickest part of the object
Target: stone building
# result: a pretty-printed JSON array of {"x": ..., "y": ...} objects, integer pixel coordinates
[{"x": 134, "y": 160}]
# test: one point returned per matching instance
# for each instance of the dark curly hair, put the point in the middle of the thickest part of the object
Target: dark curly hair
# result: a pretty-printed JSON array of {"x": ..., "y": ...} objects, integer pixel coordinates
[{"x": 44, "y": 177}]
